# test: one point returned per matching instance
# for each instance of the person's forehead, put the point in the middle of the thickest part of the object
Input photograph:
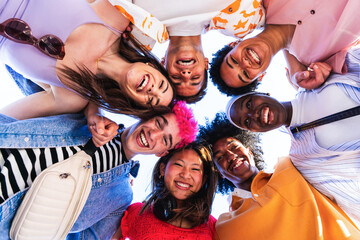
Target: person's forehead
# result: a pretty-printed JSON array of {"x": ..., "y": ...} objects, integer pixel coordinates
[
  {"x": 169, "y": 118},
  {"x": 222, "y": 143},
  {"x": 227, "y": 73},
  {"x": 235, "y": 104},
  {"x": 187, "y": 155}
]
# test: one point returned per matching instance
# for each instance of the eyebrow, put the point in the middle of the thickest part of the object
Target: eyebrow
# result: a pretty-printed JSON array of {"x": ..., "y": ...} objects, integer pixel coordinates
[
  {"x": 231, "y": 141},
  {"x": 171, "y": 141},
  {"x": 241, "y": 106},
  {"x": 195, "y": 84},
  {"x": 192, "y": 164},
  {"x": 241, "y": 79},
  {"x": 164, "y": 119},
  {"x": 170, "y": 136},
  {"x": 227, "y": 62},
  {"x": 167, "y": 86}
]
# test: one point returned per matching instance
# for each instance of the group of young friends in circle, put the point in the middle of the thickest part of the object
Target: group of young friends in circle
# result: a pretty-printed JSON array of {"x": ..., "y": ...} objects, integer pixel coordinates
[{"x": 73, "y": 58}]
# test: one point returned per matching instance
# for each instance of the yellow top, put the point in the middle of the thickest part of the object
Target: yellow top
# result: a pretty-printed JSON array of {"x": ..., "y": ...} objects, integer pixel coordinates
[{"x": 284, "y": 206}]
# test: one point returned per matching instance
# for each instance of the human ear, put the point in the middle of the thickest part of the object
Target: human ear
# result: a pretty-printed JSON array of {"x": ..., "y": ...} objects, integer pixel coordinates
[
  {"x": 250, "y": 152},
  {"x": 261, "y": 76},
  {"x": 162, "y": 154},
  {"x": 233, "y": 44},
  {"x": 163, "y": 61},
  {"x": 206, "y": 60},
  {"x": 162, "y": 169}
]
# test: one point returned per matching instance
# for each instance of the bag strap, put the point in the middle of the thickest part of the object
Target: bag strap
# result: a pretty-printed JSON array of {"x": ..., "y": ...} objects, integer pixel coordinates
[
  {"x": 90, "y": 147},
  {"x": 328, "y": 119}
]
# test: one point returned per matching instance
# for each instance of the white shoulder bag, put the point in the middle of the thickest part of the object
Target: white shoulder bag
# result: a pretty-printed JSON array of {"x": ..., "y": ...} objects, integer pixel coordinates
[{"x": 55, "y": 199}]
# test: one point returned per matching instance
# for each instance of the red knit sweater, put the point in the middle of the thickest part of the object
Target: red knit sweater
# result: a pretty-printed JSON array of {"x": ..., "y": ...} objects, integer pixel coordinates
[{"x": 146, "y": 226}]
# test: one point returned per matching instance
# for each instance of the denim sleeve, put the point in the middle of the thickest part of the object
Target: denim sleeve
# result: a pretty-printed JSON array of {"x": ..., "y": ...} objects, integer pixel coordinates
[
  {"x": 26, "y": 86},
  {"x": 54, "y": 131}
]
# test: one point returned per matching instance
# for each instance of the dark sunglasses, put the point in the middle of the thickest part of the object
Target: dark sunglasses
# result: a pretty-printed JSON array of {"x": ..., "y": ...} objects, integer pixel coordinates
[{"x": 19, "y": 31}]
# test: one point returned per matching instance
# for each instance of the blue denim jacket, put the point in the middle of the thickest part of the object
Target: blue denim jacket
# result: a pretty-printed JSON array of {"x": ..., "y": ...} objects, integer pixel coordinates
[
  {"x": 111, "y": 192},
  {"x": 54, "y": 131}
]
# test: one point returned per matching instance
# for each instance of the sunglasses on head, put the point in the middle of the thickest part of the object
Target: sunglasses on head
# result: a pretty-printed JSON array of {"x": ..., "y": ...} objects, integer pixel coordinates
[{"x": 19, "y": 31}]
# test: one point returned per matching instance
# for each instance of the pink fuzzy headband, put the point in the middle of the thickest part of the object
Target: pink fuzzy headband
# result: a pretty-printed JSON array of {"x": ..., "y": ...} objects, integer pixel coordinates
[{"x": 187, "y": 124}]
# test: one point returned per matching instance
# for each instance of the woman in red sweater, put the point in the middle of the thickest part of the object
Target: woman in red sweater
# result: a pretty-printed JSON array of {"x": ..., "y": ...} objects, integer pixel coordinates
[{"x": 180, "y": 203}]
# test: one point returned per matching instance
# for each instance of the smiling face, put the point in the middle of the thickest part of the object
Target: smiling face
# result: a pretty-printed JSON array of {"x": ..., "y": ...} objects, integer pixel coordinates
[
  {"x": 233, "y": 160},
  {"x": 155, "y": 136},
  {"x": 186, "y": 68},
  {"x": 245, "y": 62},
  {"x": 146, "y": 85},
  {"x": 258, "y": 113},
  {"x": 183, "y": 174}
]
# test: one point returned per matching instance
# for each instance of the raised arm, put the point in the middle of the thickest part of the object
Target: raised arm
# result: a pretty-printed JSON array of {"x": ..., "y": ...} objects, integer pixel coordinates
[
  {"x": 101, "y": 128},
  {"x": 53, "y": 101},
  {"x": 109, "y": 14},
  {"x": 309, "y": 77}
]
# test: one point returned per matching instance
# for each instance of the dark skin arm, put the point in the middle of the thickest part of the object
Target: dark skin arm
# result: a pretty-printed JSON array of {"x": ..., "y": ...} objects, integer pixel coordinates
[{"x": 300, "y": 75}]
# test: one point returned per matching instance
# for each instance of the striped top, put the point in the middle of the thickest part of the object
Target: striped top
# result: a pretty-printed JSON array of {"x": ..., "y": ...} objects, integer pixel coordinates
[
  {"x": 335, "y": 170},
  {"x": 19, "y": 167}
]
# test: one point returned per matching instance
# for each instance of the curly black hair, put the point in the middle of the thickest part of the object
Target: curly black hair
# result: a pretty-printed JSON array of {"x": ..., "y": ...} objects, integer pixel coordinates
[
  {"x": 219, "y": 82},
  {"x": 197, "y": 97},
  {"x": 220, "y": 127}
]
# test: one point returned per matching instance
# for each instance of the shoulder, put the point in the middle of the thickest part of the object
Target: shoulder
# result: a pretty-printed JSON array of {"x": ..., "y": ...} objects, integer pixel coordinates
[
  {"x": 135, "y": 207},
  {"x": 211, "y": 223}
]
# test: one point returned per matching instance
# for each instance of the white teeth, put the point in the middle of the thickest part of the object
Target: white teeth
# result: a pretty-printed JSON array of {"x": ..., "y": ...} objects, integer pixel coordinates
[
  {"x": 183, "y": 184},
  {"x": 254, "y": 56},
  {"x": 239, "y": 162},
  {"x": 143, "y": 139},
  {"x": 266, "y": 115},
  {"x": 186, "y": 62},
  {"x": 143, "y": 83}
]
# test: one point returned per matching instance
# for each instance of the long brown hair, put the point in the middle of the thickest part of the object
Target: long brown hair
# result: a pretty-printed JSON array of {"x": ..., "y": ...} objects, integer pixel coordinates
[
  {"x": 106, "y": 93},
  {"x": 195, "y": 209}
]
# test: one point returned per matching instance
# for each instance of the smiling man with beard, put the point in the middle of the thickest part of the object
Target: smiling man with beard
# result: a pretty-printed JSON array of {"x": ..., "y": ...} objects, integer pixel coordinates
[
  {"x": 326, "y": 155},
  {"x": 29, "y": 146},
  {"x": 281, "y": 205}
]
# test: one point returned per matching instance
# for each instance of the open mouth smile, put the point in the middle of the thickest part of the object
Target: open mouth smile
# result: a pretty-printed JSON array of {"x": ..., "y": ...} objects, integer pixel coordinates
[
  {"x": 186, "y": 62},
  {"x": 182, "y": 185},
  {"x": 143, "y": 83},
  {"x": 236, "y": 163},
  {"x": 142, "y": 140},
  {"x": 266, "y": 116},
  {"x": 253, "y": 56}
]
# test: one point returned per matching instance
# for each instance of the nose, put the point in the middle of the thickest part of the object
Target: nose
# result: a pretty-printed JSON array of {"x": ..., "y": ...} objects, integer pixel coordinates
[
  {"x": 185, "y": 173},
  {"x": 153, "y": 91},
  {"x": 186, "y": 75},
  {"x": 230, "y": 155},
  {"x": 155, "y": 135},
  {"x": 245, "y": 63},
  {"x": 251, "y": 114}
]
